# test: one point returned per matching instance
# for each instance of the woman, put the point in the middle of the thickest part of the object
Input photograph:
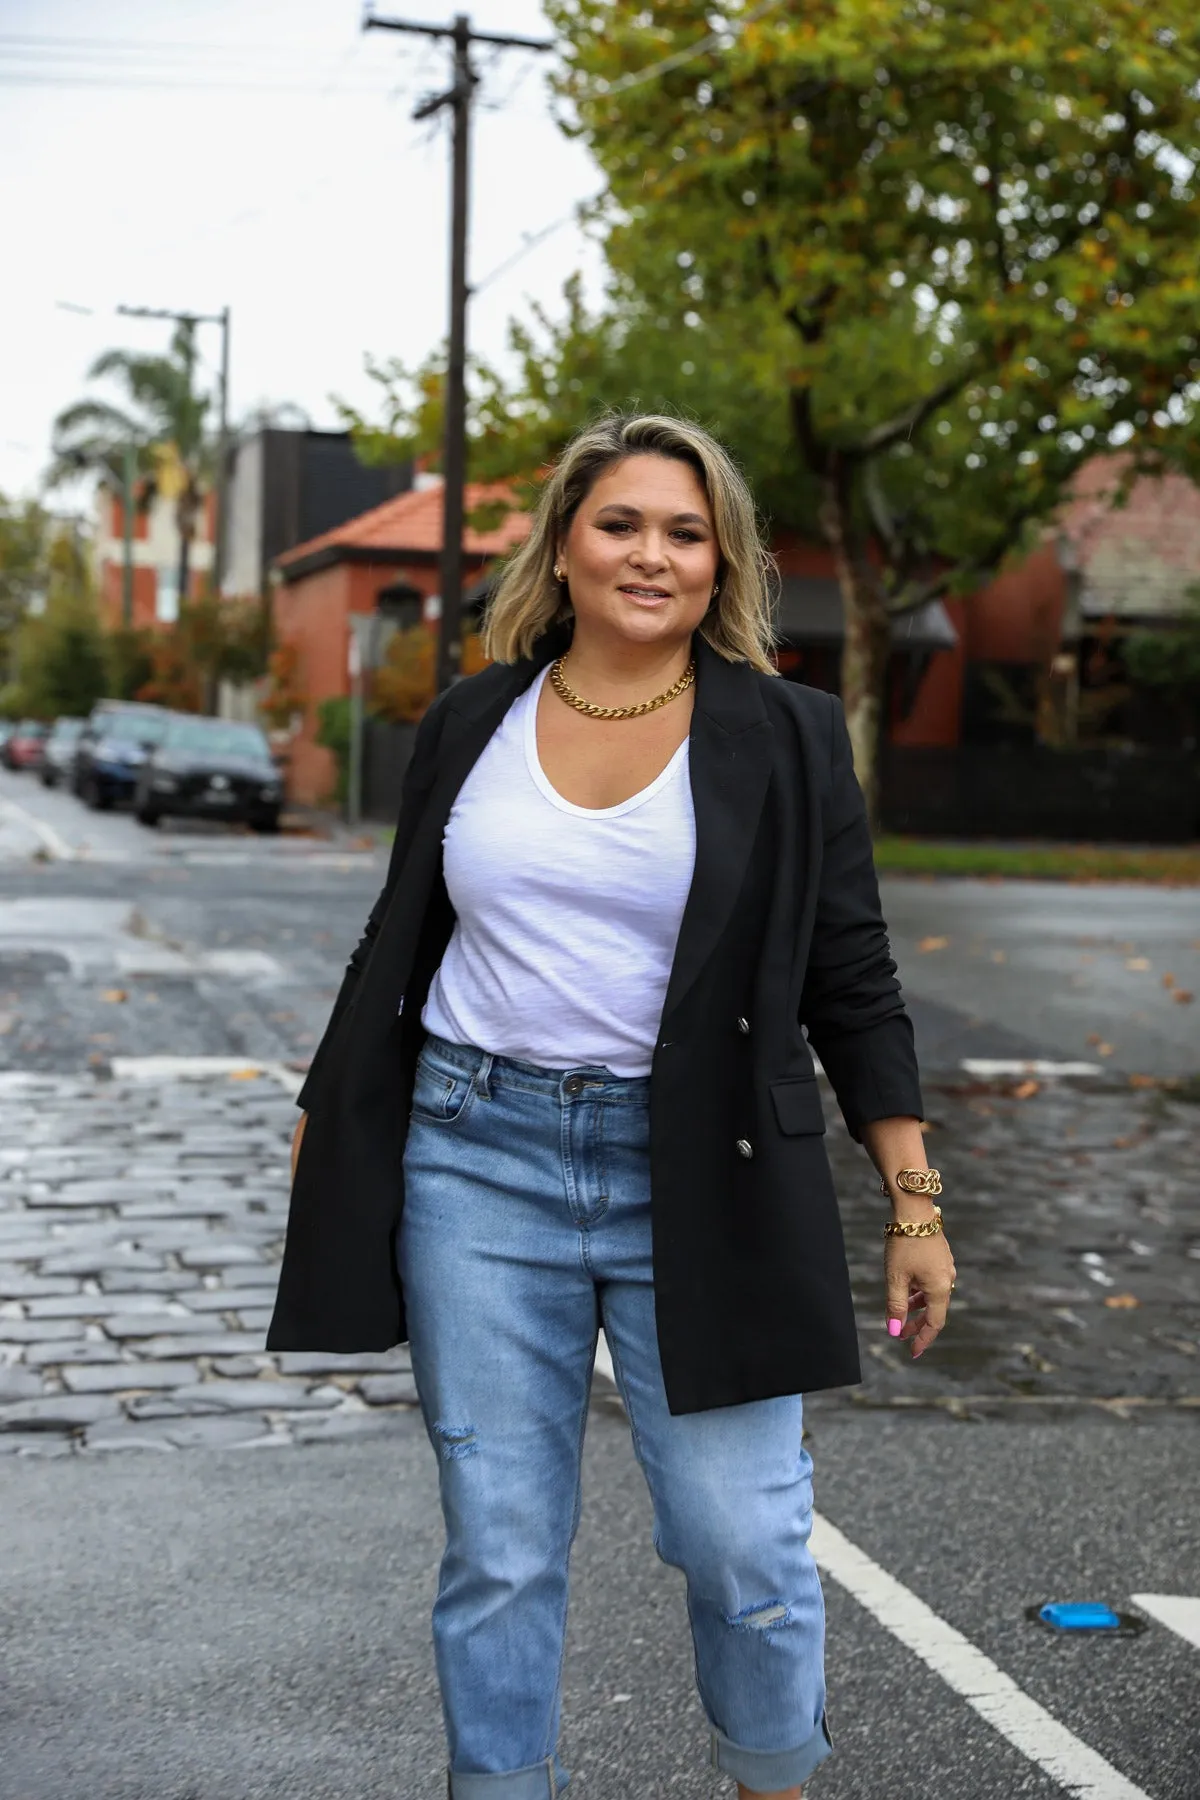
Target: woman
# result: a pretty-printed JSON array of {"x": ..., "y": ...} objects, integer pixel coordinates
[{"x": 565, "y": 1082}]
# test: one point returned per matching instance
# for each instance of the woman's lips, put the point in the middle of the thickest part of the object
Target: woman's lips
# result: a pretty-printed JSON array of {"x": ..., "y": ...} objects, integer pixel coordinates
[{"x": 645, "y": 596}]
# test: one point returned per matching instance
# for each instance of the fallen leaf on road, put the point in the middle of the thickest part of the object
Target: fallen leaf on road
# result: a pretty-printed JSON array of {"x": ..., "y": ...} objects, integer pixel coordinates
[
  {"x": 1182, "y": 996},
  {"x": 1168, "y": 980},
  {"x": 999, "y": 956},
  {"x": 1093, "y": 1037},
  {"x": 933, "y": 943},
  {"x": 1121, "y": 1302},
  {"x": 1143, "y": 1081},
  {"x": 1137, "y": 962},
  {"x": 244, "y": 1074},
  {"x": 1125, "y": 1143},
  {"x": 1104, "y": 1049},
  {"x": 1026, "y": 1090},
  {"x": 114, "y": 994}
]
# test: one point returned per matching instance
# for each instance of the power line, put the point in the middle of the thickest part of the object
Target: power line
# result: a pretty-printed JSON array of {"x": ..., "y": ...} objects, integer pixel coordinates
[{"x": 716, "y": 40}]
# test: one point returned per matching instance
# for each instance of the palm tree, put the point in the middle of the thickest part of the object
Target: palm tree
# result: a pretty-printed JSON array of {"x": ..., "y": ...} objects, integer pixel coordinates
[{"x": 164, "y": 423}]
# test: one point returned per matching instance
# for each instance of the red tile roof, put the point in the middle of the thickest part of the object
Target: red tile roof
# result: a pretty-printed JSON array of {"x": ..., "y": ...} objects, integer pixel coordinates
[{"x": 410, "y": 524}]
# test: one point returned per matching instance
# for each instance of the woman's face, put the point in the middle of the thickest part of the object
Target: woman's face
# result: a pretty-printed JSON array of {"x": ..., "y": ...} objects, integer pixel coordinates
[{"x": 641, "y": 553}]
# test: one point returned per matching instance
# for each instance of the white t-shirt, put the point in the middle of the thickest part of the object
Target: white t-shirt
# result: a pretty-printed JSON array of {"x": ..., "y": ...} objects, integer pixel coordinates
[{"x": 567, "y": 916}]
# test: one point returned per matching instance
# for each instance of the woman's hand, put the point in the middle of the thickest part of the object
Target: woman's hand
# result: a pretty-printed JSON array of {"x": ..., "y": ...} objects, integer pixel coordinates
[
  {"x": 297, "y": 1140},
  {"x": 920, "y": 1274}
]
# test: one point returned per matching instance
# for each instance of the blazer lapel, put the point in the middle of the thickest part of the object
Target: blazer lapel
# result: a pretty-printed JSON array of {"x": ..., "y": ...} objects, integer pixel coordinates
[{"x": 730, "y": 756}]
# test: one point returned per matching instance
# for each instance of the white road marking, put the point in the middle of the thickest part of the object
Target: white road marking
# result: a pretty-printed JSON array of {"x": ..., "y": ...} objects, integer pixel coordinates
[
  {"x": 201, "y": 1068},
  {"x": 51, "y": 842},
  {"x": 995, "y": 1696},
  {"x": 1180, "y": 1613},
  {"x": 992, "y": 1068}
]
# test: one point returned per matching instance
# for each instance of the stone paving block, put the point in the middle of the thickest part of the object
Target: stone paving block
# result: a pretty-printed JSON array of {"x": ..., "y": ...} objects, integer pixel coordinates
[
  {"x": 221, "y": 1431},
  {"x": 237, "y": 1368},
  {"x": 101, "y": 1260},
  {"x": 212, "y": 1343},
  {"x": 255, "y": 1318},
  {"x": 328, "y": 1362},
  {"x": 219, "y": 1255},
  {"x": 242, "y": 1396},
  {"x": 57, "y": 1412},
  {"x": 388, "y": 1390},
  {"x": 112, "y": 1378},
  {"x": 247, "y": 1275},
  {"x": 218, "y": 1300},
  {"x": 36, "y": 1331},
  {"x": 18, "y": 1383},
  {"x": 146, "y": 1324},
  {"x": 18, "y": 1285},
  {"x": 122, "y": 1434},
  {"x": 155, "y": 1406},
  {"x": 69, "y": 1350},
  {"x": 95, "y": 1306},
  {"x": 176, "y": 1209},
  {"x": 169, "y": 1281}
]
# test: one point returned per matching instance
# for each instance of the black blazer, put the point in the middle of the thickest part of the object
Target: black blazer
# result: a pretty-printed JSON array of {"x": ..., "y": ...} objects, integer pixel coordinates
[{"x": 782, "y": 929}]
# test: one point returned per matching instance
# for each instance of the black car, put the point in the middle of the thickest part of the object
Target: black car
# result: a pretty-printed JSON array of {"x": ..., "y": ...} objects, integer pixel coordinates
[
  {"x": 210, "y": 769},
  {"x": 112, "y": 748}
]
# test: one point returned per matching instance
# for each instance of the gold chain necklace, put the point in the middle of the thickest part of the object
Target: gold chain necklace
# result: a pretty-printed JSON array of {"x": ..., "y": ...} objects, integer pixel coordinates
[{"x": 558, "y": 682}]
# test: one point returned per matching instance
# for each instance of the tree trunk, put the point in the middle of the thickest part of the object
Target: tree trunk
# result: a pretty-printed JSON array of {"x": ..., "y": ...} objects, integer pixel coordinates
[
  {"x": 185, "y": 521},
  {"x": 867, "y": 645}
]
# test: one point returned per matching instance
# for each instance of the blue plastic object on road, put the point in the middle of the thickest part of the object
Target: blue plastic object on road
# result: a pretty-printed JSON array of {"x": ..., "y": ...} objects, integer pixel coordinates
[{"x": 1079, "y": 1615}]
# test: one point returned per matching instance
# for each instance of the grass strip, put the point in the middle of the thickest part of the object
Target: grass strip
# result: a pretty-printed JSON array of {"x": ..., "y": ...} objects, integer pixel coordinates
[{"x": 1170, "y": 865}]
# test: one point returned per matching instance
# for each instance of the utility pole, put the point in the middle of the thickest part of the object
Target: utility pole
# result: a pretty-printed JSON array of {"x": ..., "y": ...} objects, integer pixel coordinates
[
  {"x": 458, "y": 99},
  {"x": 220, "y": 546}
]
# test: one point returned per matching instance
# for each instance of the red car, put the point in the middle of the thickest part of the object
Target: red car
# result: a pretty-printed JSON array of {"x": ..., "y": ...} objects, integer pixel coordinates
[{"x": 23, "y": 747}]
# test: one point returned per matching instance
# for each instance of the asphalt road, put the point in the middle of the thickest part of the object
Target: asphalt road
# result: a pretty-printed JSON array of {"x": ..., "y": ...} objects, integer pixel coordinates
[
  {"x": 238, "y": 1626},
  {"x": 201, "y": 1623}
]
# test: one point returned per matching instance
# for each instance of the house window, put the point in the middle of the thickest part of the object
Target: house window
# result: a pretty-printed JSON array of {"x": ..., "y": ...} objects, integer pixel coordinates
[{"x": 166, "y": 602}]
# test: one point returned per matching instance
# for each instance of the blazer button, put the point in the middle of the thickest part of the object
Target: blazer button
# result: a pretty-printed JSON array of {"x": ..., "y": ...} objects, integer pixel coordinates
[
  {"x": 745, "y": 1147},
  {"x": 743, "y": 1026}
]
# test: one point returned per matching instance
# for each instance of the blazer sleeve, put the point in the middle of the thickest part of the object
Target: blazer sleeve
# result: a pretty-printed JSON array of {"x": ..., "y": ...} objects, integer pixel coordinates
[
  {"x": 418, "y": 777},
  {"x": 851, "y": 1005}
]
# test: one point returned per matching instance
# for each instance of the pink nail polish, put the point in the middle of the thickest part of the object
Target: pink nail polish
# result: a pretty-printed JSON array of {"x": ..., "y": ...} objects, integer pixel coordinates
[{"x": 894, "y": 1327}]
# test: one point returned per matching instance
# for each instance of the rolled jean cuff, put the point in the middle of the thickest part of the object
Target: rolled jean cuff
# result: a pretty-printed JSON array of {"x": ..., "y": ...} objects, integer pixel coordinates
[
  {"x": 766, "y": 1771},
  {"x": 538, "y": 1782}
]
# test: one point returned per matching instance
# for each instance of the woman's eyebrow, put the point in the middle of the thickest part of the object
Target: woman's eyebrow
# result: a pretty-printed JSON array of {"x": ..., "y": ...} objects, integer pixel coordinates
[{"x": 635, "y": 512}]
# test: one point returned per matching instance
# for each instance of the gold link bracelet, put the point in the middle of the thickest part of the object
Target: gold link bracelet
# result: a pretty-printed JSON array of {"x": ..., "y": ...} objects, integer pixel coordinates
[
  {"x": 915, "y": 1181},
  {"x": 911, "y": 1228}
]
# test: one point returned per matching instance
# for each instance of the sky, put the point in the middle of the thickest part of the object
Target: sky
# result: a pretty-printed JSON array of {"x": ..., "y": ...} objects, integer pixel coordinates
[{"x": 260, "y": 154}]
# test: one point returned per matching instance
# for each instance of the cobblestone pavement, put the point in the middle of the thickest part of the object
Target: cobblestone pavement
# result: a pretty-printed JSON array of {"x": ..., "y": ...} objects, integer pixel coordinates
[{"x": 141, "y": 1225}]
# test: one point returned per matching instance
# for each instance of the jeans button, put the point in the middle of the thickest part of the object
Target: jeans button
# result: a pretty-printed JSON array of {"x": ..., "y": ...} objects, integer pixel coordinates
[
  {"x": 573, "y": 1085},
  {"x": 745, "y": 1147}
]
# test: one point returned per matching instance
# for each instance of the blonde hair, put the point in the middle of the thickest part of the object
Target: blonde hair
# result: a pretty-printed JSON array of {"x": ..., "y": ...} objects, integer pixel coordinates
[{"x": 528, "y": 600}]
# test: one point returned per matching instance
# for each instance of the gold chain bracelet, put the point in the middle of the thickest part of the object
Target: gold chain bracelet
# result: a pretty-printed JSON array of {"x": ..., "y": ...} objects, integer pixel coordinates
[{"x": 913, "y": 1228}]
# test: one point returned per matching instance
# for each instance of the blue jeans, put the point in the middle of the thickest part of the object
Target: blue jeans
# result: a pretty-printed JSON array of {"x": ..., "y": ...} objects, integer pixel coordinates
[{"x": 526, "y": 1224}]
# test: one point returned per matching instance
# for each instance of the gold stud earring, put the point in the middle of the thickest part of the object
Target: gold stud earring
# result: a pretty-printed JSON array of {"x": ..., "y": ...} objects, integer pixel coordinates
[{"x": 559, "y": 574}]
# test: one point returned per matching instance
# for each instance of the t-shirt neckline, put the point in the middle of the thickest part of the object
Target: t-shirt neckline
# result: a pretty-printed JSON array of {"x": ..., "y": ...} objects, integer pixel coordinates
[{"x": 547, "y": 789}]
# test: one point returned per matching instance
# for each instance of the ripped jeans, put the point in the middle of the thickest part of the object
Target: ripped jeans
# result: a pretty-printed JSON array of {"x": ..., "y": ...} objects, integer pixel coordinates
[{"x": 526, "y": 1223}]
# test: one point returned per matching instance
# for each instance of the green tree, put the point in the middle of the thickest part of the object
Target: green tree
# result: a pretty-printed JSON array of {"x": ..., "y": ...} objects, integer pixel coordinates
[
  {"x": 957, "y": 241},
  {"x": 164, "y": 418},
  {"x": 62, "y": 664},
  {"x": 26, "y": 530}
]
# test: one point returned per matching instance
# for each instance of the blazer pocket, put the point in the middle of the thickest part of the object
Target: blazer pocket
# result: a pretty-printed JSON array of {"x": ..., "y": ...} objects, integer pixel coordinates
[{"x": 797, "y": 1105}]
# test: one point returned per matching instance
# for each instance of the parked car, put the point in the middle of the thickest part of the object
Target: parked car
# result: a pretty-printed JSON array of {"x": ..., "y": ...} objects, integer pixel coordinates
[
  {"x": 23, "y": 746},
  {"x": 57, "y": 760},
  {"x": 210, "y": 769},
  {"x": 112, "y": 748}
]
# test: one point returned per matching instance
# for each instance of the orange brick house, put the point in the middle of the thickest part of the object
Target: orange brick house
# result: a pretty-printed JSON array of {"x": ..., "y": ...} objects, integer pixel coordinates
[
  {"x": 385, "y": 559},
  {"x": 155, "y": 557}
]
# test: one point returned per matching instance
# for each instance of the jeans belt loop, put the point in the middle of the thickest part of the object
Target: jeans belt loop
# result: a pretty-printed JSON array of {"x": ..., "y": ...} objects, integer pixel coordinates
[{"x": 483, "y": 1076}]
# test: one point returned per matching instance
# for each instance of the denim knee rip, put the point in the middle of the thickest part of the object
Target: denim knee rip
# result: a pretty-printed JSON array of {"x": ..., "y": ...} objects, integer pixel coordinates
[
  {"x": 761, "y": 1618},
  {"x": 457, "y": 1441}
]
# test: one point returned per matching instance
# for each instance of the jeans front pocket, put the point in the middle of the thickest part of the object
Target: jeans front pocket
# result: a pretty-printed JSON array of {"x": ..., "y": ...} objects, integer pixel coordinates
[{"x": 441, "y": 1095}]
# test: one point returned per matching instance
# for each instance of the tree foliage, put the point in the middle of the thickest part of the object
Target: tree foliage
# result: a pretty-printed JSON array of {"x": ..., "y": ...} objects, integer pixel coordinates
[
  {"x": 959, "y": 242},
  {"x": 61, "y": 661},
  {"x": 163, "y": 419}
]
